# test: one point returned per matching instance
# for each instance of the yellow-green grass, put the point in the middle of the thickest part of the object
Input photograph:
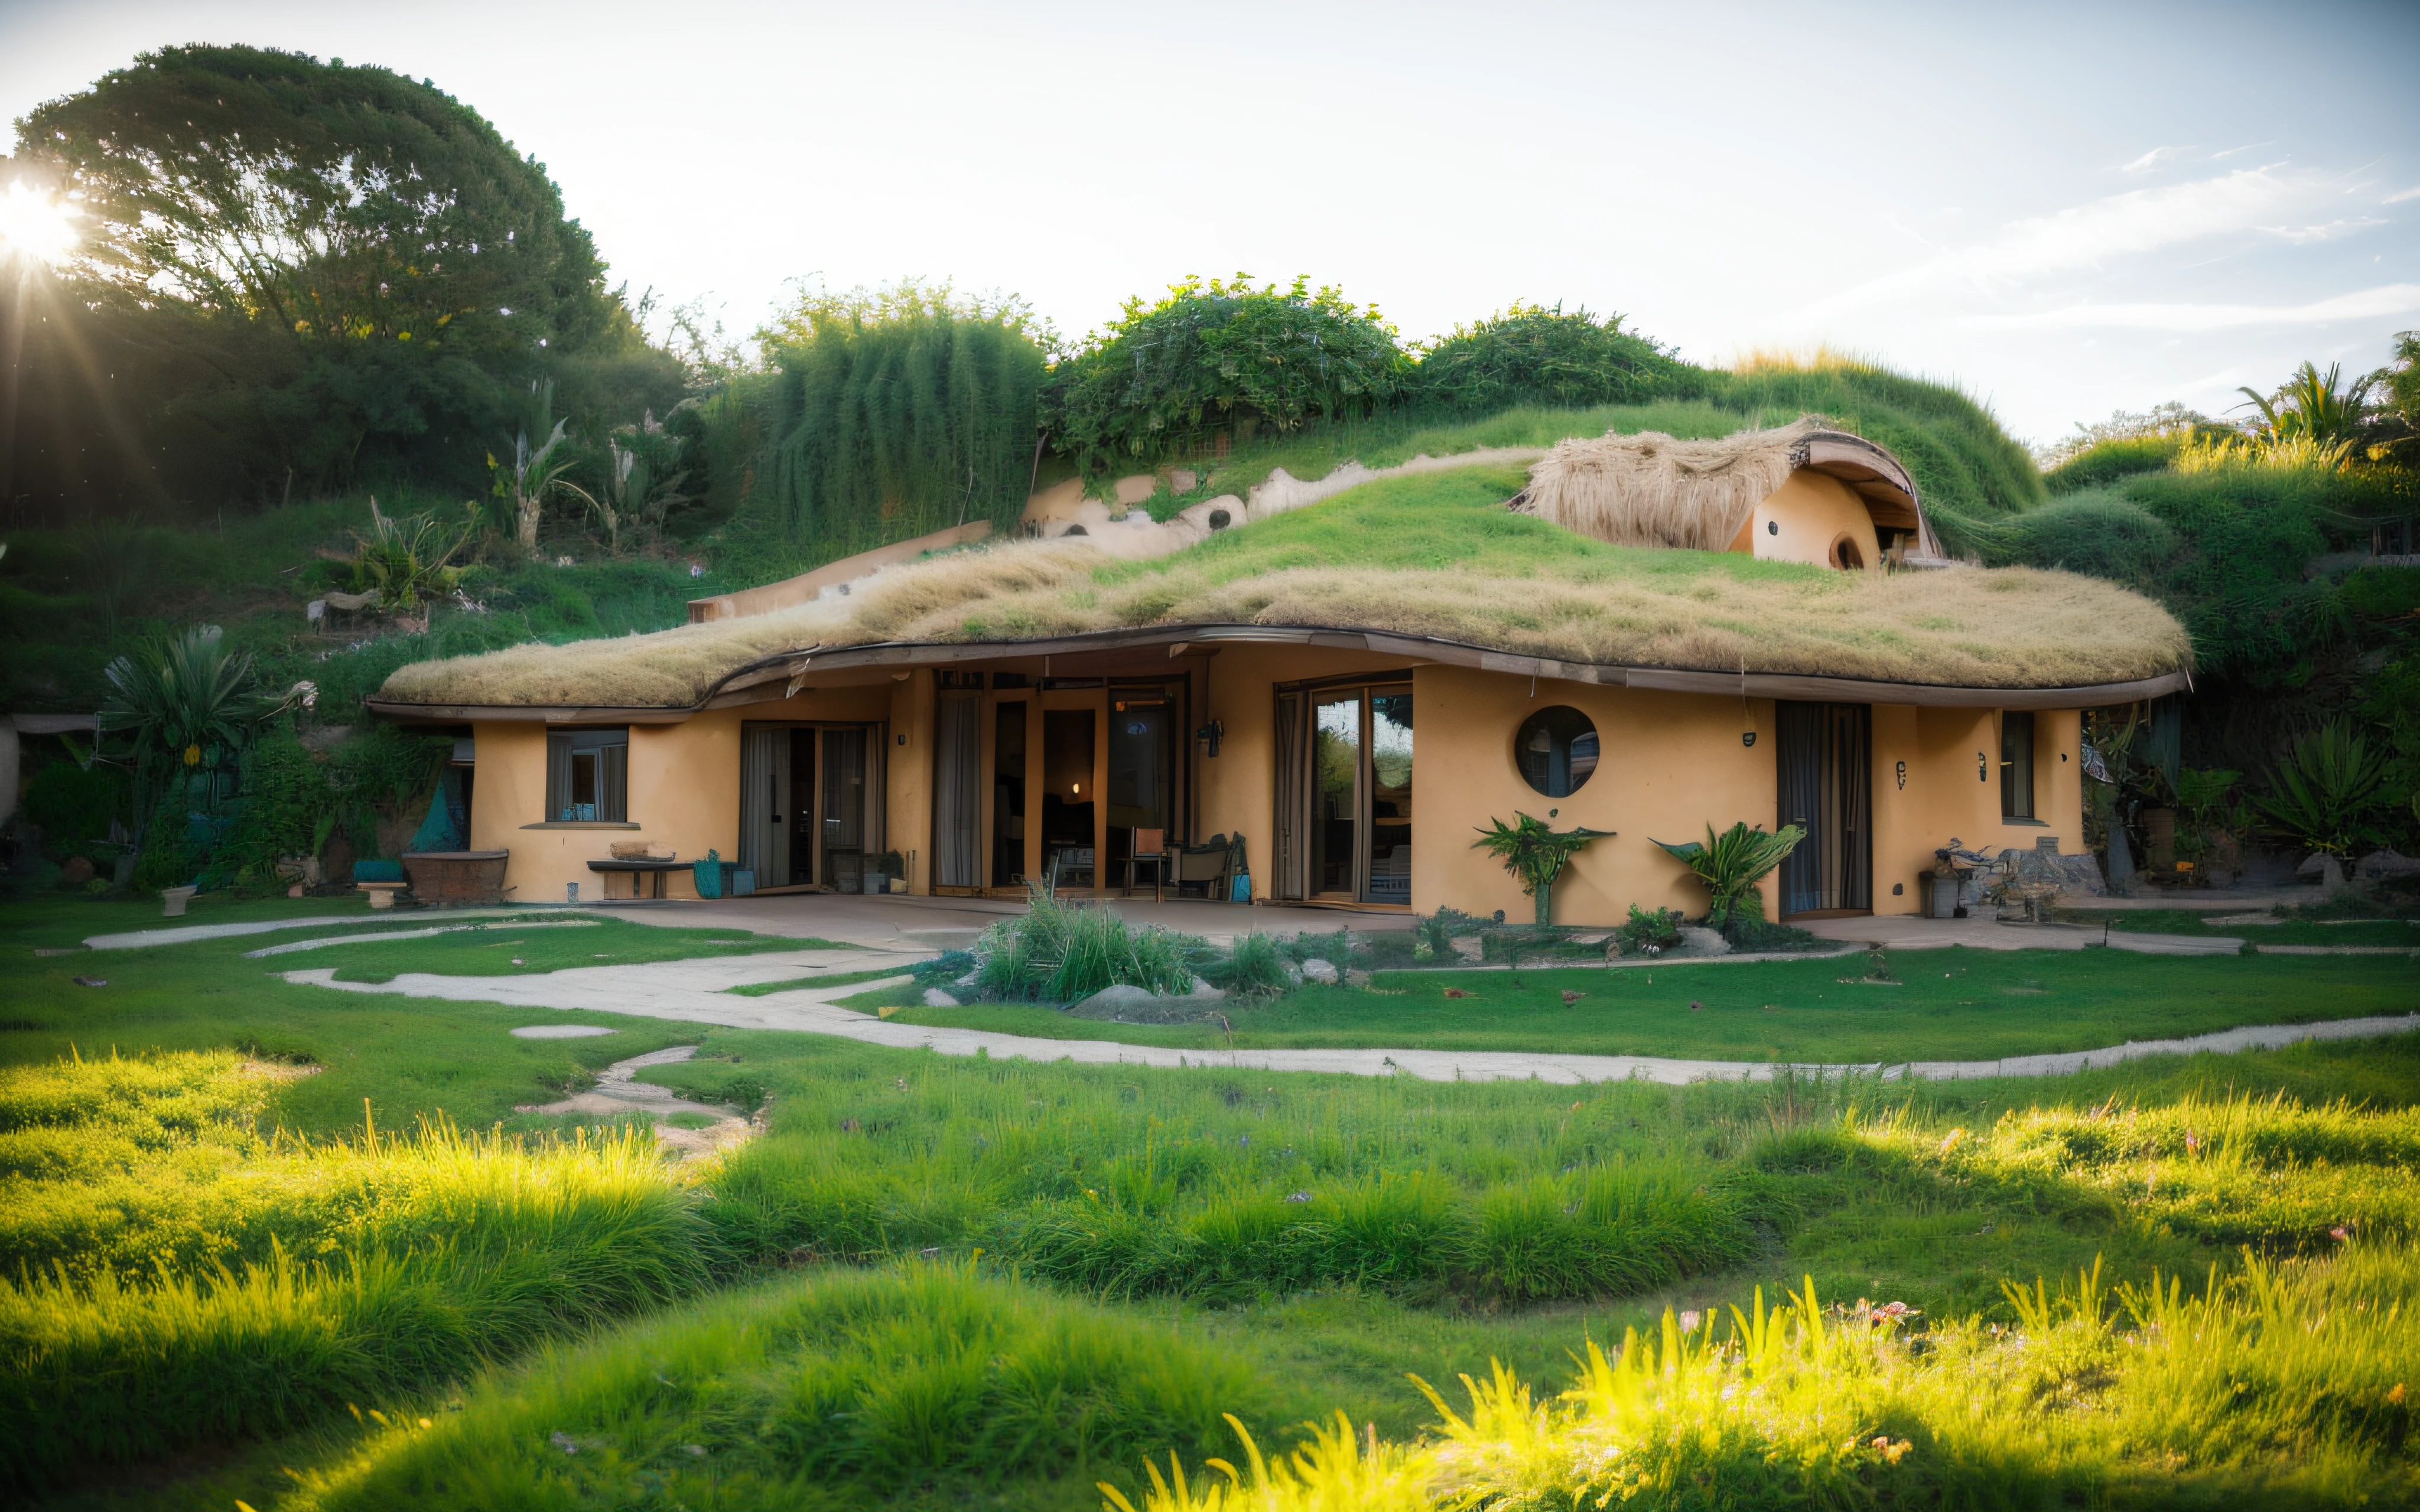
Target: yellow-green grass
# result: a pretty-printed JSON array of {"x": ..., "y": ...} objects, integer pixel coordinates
[
  {"x": 835, "y": 978},
  {"x": 1432, "y": 554},
  {"x": 410, "y": 1057},
  {"x": 1425, "y": 1205},
  {"x": 1956, "y": 1004}
]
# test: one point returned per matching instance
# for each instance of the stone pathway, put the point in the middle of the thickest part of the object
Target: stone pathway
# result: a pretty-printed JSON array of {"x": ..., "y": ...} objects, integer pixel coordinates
[
  {"x": 187, "y": 934},
  {"x": 617, "y": 1092},
  {"x": 694, "y": 991}
]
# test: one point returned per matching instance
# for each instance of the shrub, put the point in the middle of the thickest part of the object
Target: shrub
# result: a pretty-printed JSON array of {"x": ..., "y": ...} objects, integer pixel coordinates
[
  {"x": 1162, "y": 376},
  {"x": 2097, "y": 534},
  {"x": 1731, "y": 864},
  {"x": 75, "y": 805},
  {"x": 1658, "y": 928},
  {"x": 1530, "y": 354},
  {"x": 1255, "y": 968},
  {"x": 2106, "y": 461},
  {"x": 1062, "y": 954}
]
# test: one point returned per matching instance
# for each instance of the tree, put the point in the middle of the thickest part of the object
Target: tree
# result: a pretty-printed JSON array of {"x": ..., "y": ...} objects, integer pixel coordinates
[{"x": 314, "y": 267}]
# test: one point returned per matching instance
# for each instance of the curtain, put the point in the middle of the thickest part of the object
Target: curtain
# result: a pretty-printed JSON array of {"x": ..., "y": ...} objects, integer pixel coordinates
[
  {"x": 764, "y": 806},
  {"x": 957, "y": 791},
  {"x": 1293, "y": 767}
]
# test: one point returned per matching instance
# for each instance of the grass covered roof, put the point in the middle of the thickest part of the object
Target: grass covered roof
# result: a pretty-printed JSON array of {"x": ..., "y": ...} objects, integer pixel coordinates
[{"x": 1433, "y": 555}]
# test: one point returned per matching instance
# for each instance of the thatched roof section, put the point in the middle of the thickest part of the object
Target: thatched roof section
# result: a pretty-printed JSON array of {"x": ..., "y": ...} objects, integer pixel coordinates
[
  {"x": 1651, "y": 490},
  {"x": 1435, "y": 557}
]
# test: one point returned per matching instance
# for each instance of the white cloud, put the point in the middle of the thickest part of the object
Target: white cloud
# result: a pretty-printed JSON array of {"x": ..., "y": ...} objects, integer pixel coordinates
[
  {"x": 2413, "y": 192},
  {"x": 2148, "y": 159},
  {"x": 2302, "y": 235},
  {"x": 2120, "y": 226},
  {"x": 2368, "y": 304}
]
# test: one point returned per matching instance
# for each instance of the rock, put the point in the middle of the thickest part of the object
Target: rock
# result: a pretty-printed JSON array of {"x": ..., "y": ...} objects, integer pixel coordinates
[
  {"x": 1698, "y": 940},
  {"x": 1315, "y": 969},
  {"x": 935, "y": 997},
  {"x": 1357, "y": 978},
  {"x": 1109, "y": 1000},
  {"x": 2379, "y": 864},
  {"x": 1204, "y": 989}
]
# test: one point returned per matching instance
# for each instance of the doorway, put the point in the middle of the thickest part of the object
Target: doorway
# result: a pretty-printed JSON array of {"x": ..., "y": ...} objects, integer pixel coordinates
[
  {"x": 809, "y": 804},
  {"x": 1823, "y": 754},
  {"x": 1344, "y": 794}
]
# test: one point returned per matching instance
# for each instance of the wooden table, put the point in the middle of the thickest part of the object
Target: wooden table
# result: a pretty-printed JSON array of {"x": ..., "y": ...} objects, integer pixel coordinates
[{"x": 638, "y": 868}]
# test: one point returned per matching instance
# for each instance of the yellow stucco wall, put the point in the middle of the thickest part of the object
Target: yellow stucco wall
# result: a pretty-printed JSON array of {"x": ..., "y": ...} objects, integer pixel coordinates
[
  {"x": 1812, "y": 510},
  {"x": 1669, "y": 764},
  {"x": 684, "y": 793}
]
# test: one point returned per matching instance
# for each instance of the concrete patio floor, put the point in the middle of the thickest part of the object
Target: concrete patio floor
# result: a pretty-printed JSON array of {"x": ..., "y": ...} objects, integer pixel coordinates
[{"x": 898, "y": 921}]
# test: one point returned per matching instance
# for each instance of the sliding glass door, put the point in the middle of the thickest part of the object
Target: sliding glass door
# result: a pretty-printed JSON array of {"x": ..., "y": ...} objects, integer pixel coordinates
[{"x": 1344, "y": 794}]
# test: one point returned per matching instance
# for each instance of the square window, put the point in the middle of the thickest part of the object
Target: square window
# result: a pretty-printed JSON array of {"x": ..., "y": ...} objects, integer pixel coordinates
[{"x": 587, "y": 775}]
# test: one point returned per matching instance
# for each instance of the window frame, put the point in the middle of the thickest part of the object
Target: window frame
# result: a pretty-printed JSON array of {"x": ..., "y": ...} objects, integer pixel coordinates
[
  {"x": 2020, "y": 798},
  {"x": 608, "y": 748}
]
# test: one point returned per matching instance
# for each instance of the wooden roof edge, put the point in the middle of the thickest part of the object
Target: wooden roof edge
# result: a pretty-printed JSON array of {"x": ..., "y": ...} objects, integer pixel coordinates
[{"x": 728, "y": 692}]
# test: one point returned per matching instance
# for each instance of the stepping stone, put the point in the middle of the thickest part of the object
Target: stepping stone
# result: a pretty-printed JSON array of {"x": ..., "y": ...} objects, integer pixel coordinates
[{"x": 561, "y": 1031}]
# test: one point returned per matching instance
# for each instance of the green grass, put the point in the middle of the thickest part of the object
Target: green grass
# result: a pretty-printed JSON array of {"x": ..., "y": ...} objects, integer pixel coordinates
[
  {"x": 1947, "y": 1005},
  {"x": 2290, "y": 930},
  {"x": 1189, "y": 1242},
  {"x": 504, "y": 948},
  {"x": 410, "y": 1057},
  {"x": 834, "y": 978}
]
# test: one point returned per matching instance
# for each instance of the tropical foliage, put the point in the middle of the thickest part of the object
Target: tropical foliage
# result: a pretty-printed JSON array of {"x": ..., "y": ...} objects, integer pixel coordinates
[
  {"x": 2326, "y": 790},
  {"x": 1536, "y": 853},
  {"x": 406, "y": 561},
  {"x": 1730, "y": 865}
]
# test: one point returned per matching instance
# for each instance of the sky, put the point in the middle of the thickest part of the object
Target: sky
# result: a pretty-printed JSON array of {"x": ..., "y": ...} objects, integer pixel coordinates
[{"x": 2067, "y": 210}]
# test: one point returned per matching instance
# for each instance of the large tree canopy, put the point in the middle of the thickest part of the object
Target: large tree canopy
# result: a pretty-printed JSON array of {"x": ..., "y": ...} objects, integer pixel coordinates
[
  {"x": 301, "y": 271},
  {"x": 345, "y": 204}
]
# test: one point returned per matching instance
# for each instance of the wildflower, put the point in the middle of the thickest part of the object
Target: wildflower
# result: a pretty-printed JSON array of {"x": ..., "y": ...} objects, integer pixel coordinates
[
  {"x": 2341, "y": 1232},
  {"x": 2395, "y": 1394},
  {"x": 1690, "y": 1319},
  {"x": 564, "y": 1441},
  {"x": 1298, "y": 1196},
  {"x": 1951, "y": 1142}
]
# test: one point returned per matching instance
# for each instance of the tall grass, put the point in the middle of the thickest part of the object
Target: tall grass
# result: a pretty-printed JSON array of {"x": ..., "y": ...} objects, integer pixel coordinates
[
  {"x": 182, "y": 1278},
  {"x": 2280, "y": 1385},
  {"x": 1063, "y": 953},
  {"x": 927, "y": 1384}
]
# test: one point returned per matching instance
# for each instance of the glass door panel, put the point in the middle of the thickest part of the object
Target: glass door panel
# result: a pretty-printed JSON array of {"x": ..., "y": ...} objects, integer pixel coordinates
[
  {"x": 802, "y": 808},
  {"x": 1335, "y": 795},
  {"x": 1008, "y": 795},
  {"x": 844, "y": 837},
  {"x": 1389, "y": 866},
  {"x": 1140, "y": 773},
  {"x": 1067, "y": 795}
]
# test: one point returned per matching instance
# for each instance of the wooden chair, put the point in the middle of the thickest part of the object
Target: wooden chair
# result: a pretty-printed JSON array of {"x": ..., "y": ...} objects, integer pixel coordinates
[{"x": 1149, "y": 845}]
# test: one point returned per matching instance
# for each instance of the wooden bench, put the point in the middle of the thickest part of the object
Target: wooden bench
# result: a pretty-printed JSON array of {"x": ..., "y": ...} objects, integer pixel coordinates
[{"x": 636, "y": 870}]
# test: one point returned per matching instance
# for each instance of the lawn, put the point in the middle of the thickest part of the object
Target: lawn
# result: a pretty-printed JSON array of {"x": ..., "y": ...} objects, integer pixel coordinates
[
  {"x": 1119, "y": 1254},
  {"x": 1940, "y": 1005},
  {"x": 2287, "y": 928},
  {"x": 503, "y": 947}
]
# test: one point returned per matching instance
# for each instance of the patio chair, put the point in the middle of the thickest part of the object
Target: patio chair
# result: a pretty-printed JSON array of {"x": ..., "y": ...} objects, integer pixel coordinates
[
  {"x": 1150, "y": 849},
  {"x": 1208, "y": 867}
]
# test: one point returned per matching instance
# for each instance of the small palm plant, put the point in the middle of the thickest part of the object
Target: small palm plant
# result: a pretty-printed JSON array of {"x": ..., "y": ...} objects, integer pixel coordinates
[
  {"x": 2326, "y": 789},
  {"x": 187, "y": 704},
  {"x": 1730, "y": 865},
  {"x": 1536, "y": 853},
  {"x": 535, "y": 472},
  {"x": 406, "y": 560}
]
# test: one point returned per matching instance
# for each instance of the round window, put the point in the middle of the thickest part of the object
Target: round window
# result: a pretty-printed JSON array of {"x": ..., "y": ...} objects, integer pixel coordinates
[{"x": 1557, "y": 750}]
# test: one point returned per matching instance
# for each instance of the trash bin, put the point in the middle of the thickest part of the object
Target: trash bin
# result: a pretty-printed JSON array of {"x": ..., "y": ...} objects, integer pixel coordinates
[{"x": 1940, "y": 893}]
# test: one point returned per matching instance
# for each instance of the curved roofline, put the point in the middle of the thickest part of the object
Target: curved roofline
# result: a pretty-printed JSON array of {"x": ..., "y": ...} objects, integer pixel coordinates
[
  {"x": 1878, "y": 477},
  {"x": 736, "y": 687}
]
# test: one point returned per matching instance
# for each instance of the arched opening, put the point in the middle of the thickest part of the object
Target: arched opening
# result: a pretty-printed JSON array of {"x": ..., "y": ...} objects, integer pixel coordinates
[{"x": 1846, "y": 556}]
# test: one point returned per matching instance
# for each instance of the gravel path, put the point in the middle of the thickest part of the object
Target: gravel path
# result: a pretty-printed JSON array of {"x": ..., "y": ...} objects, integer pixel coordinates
[{"x": 694, "y": 992}]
